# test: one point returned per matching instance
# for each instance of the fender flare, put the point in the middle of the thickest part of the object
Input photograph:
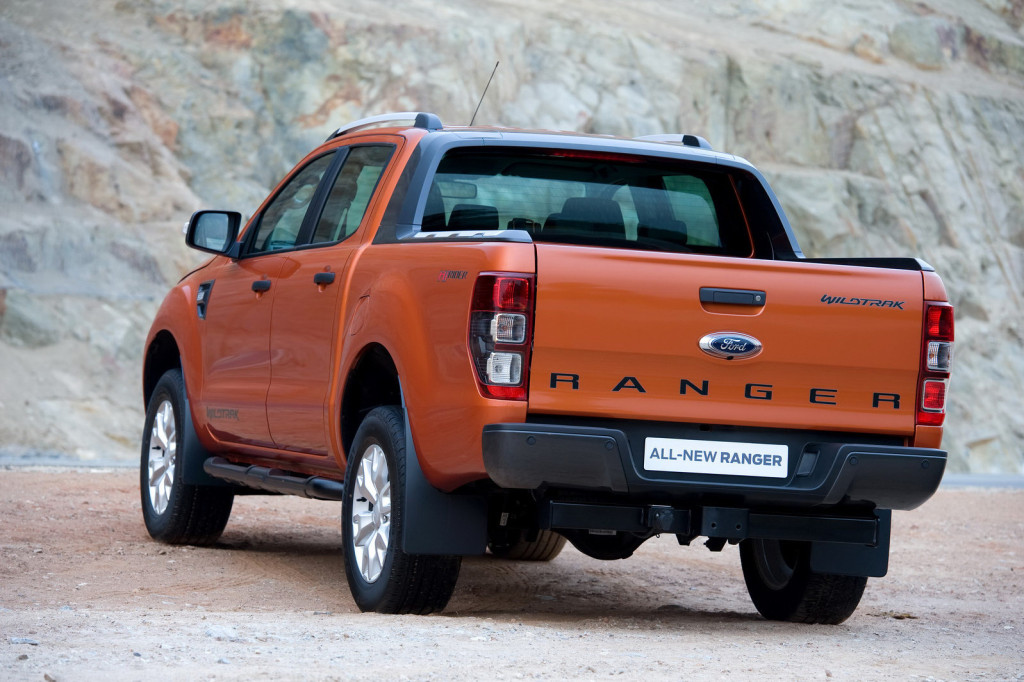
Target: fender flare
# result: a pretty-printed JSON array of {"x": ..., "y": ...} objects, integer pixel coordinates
[{"x": 194, "y": 454}]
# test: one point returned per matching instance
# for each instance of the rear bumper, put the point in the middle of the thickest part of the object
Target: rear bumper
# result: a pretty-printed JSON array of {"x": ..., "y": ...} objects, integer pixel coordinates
[{"x": 822, "y": 472}]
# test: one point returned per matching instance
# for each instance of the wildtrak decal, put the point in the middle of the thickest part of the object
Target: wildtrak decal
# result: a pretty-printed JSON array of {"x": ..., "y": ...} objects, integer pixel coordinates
[
  {"x": 866, "y": 302},
  {"x": 221, "y": 413}
]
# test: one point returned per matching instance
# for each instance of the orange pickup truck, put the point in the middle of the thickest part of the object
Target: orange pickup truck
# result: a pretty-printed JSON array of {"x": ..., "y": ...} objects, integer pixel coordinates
[{"x": 485, "y": 339}]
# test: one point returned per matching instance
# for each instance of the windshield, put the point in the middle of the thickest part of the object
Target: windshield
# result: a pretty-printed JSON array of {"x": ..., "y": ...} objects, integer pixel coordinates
[{"x": 589, "y": 198}]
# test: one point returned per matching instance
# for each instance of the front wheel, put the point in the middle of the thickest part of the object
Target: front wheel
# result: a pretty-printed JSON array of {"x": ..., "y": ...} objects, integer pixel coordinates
[
  {"x": 382, "y": 577},
  {"x": 175, "y": 512},
  {"x": 782, "y": 586}
]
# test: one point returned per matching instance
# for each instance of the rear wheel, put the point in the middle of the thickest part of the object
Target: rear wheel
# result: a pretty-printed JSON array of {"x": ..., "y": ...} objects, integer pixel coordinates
[
  {"x": 175, "y": 512},
  {"x": 513, "y": 545},
  {"x": 381, "y": 576},
  {"x": 782, "y": 586}
]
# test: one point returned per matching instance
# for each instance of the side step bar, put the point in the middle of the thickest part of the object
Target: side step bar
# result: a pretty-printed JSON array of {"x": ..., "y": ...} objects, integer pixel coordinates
[{"x": 275, "y": 480}]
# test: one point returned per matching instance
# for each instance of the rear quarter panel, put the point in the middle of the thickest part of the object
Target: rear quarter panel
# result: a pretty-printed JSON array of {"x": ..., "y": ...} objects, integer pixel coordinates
[{"x": 410, "y": 302}]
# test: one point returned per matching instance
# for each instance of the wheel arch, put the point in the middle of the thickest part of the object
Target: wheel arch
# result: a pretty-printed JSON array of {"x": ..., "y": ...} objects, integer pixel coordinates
[
  {"x": 443, "y": 523},
  {"x": 161, "y": 355},
  {"x": 372, "y": 382}
]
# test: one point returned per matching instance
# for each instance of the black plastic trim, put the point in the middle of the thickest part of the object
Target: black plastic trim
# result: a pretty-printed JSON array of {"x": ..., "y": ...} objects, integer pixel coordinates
[
  {"x": 323, "y": 278},
  {"x": 526, "y": 456},
  {"x": 749, "y": 297},
  {"x": 203, "y": 295},
  {"x": 915, "y": 264},
  {"x": 194, "y": 454},
  {"x": 535, "y": 456},
  {"x": 428, "y": 121}
]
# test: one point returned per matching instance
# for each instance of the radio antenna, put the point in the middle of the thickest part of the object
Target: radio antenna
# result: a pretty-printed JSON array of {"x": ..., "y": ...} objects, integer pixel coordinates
[{"x": 484, "y": 93}]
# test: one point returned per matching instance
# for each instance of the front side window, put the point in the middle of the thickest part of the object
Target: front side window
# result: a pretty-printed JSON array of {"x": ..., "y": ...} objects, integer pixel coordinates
[
  {"x": 282, "y": 220},
  {"x": 589, "y": 198}
]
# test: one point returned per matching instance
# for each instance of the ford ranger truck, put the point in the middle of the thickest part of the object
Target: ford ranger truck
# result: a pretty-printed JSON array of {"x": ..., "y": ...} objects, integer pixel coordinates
[{"x": 481, "y": 339}]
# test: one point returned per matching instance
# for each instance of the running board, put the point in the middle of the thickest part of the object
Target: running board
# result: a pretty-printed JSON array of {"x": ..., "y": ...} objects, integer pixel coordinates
[{"x": 275, "y": 480}]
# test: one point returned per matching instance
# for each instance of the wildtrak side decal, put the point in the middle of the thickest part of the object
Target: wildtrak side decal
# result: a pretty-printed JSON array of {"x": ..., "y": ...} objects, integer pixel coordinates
[{"x": 221, "y": 413}]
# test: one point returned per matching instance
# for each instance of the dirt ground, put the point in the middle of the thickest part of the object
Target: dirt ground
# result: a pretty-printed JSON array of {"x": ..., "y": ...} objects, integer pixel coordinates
[{"x": 85, "y": 594}]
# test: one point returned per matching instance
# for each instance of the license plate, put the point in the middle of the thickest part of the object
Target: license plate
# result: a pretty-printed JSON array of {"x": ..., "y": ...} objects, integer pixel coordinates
[{"x": 721, "y": 458}]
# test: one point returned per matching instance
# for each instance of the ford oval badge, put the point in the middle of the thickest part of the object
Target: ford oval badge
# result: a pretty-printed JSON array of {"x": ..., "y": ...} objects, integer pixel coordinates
[{"x": 730, "y": 345}]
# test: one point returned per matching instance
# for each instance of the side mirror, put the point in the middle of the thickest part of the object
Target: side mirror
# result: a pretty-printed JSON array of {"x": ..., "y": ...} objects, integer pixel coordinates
[{"x": 213, "y": 231}]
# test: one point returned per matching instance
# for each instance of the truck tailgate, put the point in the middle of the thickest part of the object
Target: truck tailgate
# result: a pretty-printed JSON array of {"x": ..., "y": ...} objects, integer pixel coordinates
[{"x": 617, "y": 336}]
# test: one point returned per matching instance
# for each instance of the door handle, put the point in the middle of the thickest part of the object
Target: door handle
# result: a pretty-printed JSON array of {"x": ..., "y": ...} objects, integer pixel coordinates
[
  {"x": 732, "y": 296},
  {"x": 261, "y": 285},
  {"x": 323, "y": 278}
]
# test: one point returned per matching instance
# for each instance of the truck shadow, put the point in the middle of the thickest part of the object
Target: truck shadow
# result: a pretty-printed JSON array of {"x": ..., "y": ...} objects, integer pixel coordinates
[
  {"x": 672, "y": 587},
  {"x": 574, "y": 587}
]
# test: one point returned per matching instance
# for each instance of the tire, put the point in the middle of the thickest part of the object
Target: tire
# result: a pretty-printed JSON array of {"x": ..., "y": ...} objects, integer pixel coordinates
[
  {"x": 174, "y": 512},
  {"x": 512, "y": 546},
  {"x": 782, "y": 586},
  {"x": 381, "y": 576}
]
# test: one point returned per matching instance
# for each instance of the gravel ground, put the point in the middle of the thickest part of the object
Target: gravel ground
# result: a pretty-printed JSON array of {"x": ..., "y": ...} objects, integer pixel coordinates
[{"x": 87, "y": 595}]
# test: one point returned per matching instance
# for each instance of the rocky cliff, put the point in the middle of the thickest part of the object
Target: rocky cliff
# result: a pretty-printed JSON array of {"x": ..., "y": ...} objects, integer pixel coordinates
[{"x": 886, "y": 127}]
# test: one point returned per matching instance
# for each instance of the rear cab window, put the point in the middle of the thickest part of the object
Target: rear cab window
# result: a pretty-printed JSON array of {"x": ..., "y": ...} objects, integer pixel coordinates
[{"x": 590, "y": 198}]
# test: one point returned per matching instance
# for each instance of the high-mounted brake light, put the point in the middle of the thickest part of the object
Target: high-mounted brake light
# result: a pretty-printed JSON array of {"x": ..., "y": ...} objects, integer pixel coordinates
[
  {"x": 936, "y": 362},
  {"x": 595, "y": 156},
  {"x": 501, "y": 333}
]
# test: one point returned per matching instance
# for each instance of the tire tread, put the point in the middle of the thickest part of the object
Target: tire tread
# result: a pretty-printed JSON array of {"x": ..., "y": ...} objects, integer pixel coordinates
[{"x": 813, "y": 598}]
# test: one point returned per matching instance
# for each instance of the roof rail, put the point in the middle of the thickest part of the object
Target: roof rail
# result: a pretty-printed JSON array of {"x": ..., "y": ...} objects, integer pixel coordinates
[
  {"x": 419, "y": 119},
  {"x": 679, "y": 138}
]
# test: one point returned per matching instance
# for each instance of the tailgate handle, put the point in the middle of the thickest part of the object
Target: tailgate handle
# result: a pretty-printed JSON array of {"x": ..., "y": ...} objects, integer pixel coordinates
[{"x": 732, "y": 296}]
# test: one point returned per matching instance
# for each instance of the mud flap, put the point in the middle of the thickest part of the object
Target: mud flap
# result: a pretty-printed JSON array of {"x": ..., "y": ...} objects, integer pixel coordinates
[
  {"x": 840, "y": 558},
  {"x": 195, "y": 455},
  {"x": 438, "y": 522}
]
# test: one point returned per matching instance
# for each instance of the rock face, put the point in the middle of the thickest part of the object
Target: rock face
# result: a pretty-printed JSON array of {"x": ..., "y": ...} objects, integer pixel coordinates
[{"x": 887, "y": 128}]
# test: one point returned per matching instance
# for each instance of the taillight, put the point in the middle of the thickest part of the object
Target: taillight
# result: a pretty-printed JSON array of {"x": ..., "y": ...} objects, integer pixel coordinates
[
  {"x": 936, "y": 361},
  {"x": 501, "y": 332}
]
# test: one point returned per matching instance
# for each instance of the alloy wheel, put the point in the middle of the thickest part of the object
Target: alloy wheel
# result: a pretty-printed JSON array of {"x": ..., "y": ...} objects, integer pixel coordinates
[
  {"x": 371, "y": 513},
  {"x": 163, "y": 450}
]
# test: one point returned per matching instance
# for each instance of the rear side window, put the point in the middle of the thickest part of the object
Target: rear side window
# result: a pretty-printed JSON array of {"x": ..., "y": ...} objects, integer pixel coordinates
[
  {"x": 589, "y": 198},
  {"x": 346, "y": 204}
]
